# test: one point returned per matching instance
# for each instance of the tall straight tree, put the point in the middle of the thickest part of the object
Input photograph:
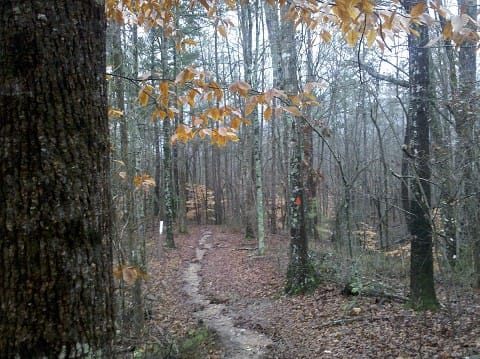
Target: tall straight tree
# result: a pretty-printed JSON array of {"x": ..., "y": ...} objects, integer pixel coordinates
[
  {"x": 466, "y": 121},
  {"x": 55, "y": 239},
  {"x": 301, "y": 275},
  {"x": 246, "y": 11},
  {"x": 168, "y": 181},
  {"x": 422, "y": 290}
]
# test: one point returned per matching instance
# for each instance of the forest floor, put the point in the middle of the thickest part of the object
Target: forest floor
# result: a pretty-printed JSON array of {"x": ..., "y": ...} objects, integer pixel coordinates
[{"x": 214, "y": 297}]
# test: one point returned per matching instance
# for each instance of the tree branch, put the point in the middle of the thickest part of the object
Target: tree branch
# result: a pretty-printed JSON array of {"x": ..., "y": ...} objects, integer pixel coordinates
[{"x": 375, "y": 74}]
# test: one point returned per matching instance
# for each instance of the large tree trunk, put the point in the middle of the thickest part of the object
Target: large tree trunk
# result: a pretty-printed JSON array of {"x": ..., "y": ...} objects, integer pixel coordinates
[
  {"x": 301, "y": 276},
  {"x": 55, "y": 242},
  {"x": 422, "y": 290}
]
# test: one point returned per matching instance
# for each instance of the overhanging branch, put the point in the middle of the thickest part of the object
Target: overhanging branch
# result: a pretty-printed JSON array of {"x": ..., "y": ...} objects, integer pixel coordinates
[{"x": 375, "y": 74}]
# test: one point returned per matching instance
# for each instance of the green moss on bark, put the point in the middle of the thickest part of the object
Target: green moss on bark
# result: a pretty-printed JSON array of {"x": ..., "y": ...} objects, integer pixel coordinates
[{"x": 301, "y": 279}]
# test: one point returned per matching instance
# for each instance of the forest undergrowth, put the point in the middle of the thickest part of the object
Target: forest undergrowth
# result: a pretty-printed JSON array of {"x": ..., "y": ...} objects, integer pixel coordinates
[{"x": 369, "y": 320}]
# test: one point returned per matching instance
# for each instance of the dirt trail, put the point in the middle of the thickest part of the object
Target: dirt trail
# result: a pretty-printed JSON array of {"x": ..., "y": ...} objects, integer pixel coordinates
[{"x": 239, "y": 343}]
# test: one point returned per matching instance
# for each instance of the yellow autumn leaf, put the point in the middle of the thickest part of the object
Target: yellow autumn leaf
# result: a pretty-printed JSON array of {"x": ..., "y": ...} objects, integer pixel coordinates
[
  {"x": 232, "y": 136},
  {"x": 214, "y": 113},
  {"x": 273, "y": 92},
  {"x": 352, "y": 37},
  {"x": 267, "y": 114},
  {"x": 144, "y": 94},
  {"x": 231, "y": 4},
  {"x": 241, "y": 87},
  {"x": 217, "y": 139},
  {"x": 293, "y": 110},
  {"x": 189, "y": 42},
  {"x": 418, "y": 10},
  {"x": 448, "y": 31},
  {"x": 296, "y": 100},
  {"x": 137, "y": 181},
  {"x": 191, "y": 98},
  {"x": 212, "y": 11},
  {"x": 114, "y": 113},
  {"x": 235, "y": 123},
  {"x": 217, "y": 90},
  {"x": 414, "y": 32},
  {"x": 128, "y": 273},
  {"x": 326, "y": 36},
  {"x": 204, "y": 132},
  {"x": 148, "y": 181},
  {"x": 118, "y": 16},
  {"x": 182, "y": 133},
  {"x": 144, "y": 181},
  {"x": 250, "y": 106},
  {"x": 367, "y": 6},
  {"x": 163, "y": 87},
  {"x": 186, "y": 75},
  {"x": 158, "y": 114}
]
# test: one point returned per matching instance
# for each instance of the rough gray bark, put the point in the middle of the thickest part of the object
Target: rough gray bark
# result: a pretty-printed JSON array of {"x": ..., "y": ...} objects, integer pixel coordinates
[
  {"x": 55, "y": 220},
  {"x": 422, "y": 290},
  {"x": 301, "y": 276}
]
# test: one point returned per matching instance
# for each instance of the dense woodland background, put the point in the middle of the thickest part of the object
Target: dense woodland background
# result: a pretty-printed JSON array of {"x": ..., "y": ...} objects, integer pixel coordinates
[
  {"x": 382, "y": 147},
  {"x": 357, "y": 139}
]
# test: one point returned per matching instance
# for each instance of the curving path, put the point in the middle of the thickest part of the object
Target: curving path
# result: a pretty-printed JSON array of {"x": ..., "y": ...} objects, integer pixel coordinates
[{"x": 239, "y": 343}]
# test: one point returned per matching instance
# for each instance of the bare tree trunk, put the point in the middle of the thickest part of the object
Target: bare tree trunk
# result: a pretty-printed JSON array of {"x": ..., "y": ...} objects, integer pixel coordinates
[
  {"x": 168, "y": 181},
  {"x": 55, "y": 218},
  {"x": 128, "y": 210},
  {"x": 246, "y": 12},
  {"x": 311, "y": 209},
  {"x": 422, "y": 290},
  {"x": 273, "y": 29},
  {"x": 466, "y": 120},
  {"x": 301, "y": 276}
]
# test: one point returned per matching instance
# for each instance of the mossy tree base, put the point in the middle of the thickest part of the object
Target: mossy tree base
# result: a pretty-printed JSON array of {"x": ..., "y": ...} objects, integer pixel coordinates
[
  {"x": 423, "y": 305},
  {"x": 301, "y": 279}
]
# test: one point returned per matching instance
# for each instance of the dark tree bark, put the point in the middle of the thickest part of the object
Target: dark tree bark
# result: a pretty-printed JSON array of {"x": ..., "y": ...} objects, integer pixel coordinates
[
  {"x": 301, "y": 276},
  {"x": 55, "y": 241},
  {"x": 422, "y": 290}
]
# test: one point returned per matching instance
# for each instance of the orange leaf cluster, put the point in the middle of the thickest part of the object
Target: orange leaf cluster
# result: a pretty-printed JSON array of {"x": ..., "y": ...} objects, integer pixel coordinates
[
  {"x": 129, "y": 274},
  {"x": 115, "y": 113},
  {"x": 365, "y": 20},
  {"x": 144, "y": 181},
  {"x": 458, "y": 28}
]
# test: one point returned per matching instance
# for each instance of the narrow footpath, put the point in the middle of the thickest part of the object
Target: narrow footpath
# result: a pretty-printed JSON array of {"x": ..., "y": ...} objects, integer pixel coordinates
[{"x": 239, "y": 343}]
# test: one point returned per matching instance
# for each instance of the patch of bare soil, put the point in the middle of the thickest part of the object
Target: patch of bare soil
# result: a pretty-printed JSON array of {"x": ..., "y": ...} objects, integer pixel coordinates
[{"x": 216, "y": 277}]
